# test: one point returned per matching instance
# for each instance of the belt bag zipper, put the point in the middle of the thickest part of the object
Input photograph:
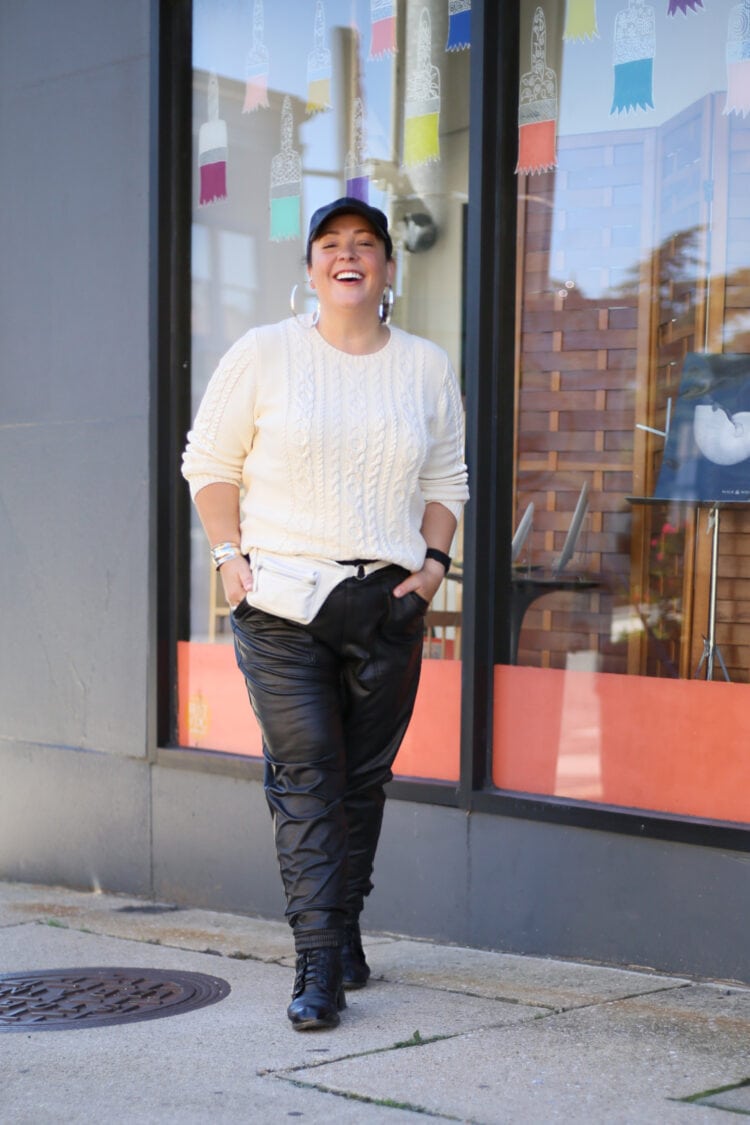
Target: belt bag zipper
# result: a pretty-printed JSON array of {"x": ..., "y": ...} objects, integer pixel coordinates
[
  {"x": 297, "y": 590},
  {"x": 277, "y": 566}
]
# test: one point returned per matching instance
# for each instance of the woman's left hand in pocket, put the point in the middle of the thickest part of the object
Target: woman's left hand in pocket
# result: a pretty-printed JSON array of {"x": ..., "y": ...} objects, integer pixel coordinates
[{"x": 424, "y": 582}]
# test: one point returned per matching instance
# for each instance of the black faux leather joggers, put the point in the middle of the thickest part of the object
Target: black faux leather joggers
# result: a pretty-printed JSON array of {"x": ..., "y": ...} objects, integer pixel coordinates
[{"x": 333, "y": 700}]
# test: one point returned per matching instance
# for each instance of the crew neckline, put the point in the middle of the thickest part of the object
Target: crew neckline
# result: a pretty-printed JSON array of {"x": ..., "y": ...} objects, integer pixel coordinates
[{"x": 308, "y": 327}]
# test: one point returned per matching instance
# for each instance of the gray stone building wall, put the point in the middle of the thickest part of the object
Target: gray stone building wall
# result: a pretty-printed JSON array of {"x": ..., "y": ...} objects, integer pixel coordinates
[{"x": 75, "y": 514}]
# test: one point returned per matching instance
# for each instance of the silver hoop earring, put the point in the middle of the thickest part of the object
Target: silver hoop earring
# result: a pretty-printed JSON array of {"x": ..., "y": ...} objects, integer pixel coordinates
[
  {"x": 292, "y": 297},
  {"x": 385, "y": 309}
]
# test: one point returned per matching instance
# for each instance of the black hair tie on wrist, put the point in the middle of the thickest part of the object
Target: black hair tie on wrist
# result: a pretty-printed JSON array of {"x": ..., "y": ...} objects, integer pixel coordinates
[{"x": 438, "y": 556}]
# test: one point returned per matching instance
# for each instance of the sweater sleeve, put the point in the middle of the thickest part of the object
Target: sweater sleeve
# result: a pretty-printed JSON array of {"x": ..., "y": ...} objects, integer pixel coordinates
[
  {"x": 444, "y": 475},
  {"x": 223, "y": 431}
]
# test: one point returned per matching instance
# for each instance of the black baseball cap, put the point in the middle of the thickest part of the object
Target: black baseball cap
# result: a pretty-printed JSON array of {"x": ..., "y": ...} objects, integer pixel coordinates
[{"x": 348, "y": 205}]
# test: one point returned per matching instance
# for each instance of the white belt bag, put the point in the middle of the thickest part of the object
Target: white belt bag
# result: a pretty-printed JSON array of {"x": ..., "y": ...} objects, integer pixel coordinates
[{"x": 294, "y": 586}]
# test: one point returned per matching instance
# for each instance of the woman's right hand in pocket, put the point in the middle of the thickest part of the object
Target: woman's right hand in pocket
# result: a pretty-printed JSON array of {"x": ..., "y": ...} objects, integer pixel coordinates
[{"x": 237, "y": 580}]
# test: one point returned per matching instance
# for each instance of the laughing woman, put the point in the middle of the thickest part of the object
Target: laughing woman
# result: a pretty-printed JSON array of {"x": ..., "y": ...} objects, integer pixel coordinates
[{"x": 345, "y": 436}]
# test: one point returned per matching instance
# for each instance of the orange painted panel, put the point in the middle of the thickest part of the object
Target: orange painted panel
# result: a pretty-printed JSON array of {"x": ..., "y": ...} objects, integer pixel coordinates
[
  {"x": 214, "y": 711},
  {"x": 675, "y": 746},
  {"x": 432, "y": 746},
  {"x": 215, "y": 714}
]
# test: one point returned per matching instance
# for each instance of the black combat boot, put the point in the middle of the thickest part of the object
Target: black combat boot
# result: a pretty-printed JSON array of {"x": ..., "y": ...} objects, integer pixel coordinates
[
  {"x": 356, "y": 969},
  {"x": 318, "y": 994}
]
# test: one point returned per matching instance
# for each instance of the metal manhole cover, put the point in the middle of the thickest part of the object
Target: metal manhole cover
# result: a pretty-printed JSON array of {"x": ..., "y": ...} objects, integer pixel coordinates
[{"x": 57, "y": 999}]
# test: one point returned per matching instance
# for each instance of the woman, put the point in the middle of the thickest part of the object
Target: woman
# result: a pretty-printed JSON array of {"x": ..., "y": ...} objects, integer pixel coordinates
[{"x": 346, "y": 436}]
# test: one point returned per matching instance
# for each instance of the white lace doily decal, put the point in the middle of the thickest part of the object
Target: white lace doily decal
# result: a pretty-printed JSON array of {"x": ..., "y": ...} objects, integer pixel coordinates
[
  {"x": 537, "y": 107},
  {"x": 738, "y": 60},
  {"x": 319, "y": 66},
  {"x": 212, "y": 149},
  {"x": 256, "y": 67},
  {"x": 634, "y": 50},
  {"x": 459, "y": 25},
  {"x": 422, "y": 111},
  {"x": 357, "y": 180},
  {"x": 286, "y": 182}
]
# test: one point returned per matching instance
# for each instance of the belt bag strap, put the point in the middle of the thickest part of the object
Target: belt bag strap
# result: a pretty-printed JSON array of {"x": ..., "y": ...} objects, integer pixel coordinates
[{"x": 294, "y": 586}]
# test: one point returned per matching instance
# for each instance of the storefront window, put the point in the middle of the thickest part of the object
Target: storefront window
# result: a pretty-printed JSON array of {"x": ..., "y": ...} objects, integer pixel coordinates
[
  {"x": 297, "y": 102},
  {"x": 630, "y": 586}
]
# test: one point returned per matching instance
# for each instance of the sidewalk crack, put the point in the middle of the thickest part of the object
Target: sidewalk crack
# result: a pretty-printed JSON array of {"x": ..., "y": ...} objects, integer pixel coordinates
[{"x": 389, "y": 1103}]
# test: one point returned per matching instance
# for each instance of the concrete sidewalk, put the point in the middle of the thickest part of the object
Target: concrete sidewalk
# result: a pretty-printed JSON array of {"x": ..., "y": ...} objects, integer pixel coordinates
[{"x": 440, "y": 1033}]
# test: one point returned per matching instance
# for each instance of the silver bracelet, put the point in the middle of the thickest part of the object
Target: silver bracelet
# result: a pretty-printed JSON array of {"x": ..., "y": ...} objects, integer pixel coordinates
[{"x": 223, "y": 552}]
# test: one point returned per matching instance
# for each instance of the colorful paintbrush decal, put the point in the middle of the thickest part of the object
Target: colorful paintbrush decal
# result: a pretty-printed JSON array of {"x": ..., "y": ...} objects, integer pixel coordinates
[
  {"x": 286, "y": 182},
  {"x": 357, "y": 180},
  {"x": 422, "y": 110},
  {"x": 580, "y": 20},
  {"x": 537, "y": 107},
  {"x": 212, "y": 149},
  {"x": 459, "y": 25},
  {"x": 256, "y": 67},
  {"x": 676, "y": 6},
  {"x": 382, "y": 28},
  {"x": 634, "y": 50},
  {"x": 738, "y": 60},
  {"x": 319, "y": 66}
]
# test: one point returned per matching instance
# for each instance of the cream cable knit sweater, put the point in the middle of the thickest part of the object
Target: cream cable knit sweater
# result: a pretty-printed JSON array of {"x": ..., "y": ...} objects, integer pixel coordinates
[{"x": 337, "y": 454}]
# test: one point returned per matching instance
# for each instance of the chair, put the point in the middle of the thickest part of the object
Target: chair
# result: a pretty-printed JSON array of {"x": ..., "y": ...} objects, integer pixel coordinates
[
  {"x": 443, "y": 634},
  {"x": 574, "y": 531},
  {"x": 535, "y": 582},
  {"x": 218, "y": 607},
  {"x": 522, "y": 533}
]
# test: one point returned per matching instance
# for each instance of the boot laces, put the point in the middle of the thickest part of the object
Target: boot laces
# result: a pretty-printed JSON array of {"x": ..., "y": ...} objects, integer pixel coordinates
[{"x": 313, "y": 967}]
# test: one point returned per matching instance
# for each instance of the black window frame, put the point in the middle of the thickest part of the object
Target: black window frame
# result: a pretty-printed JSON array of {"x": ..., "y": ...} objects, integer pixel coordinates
[{"x": 490, "y": 262}]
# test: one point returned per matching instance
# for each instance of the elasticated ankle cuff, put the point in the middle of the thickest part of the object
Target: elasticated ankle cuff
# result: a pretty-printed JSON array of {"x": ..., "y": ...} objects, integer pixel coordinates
[{"x": 318, "y": 939}]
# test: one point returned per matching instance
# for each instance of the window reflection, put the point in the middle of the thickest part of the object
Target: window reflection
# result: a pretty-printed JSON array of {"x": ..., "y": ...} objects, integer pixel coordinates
[
  {"x": 297, "y": 102},
  {"x": 634, "y": 246},
  {"x": 633, "y": 309}
]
